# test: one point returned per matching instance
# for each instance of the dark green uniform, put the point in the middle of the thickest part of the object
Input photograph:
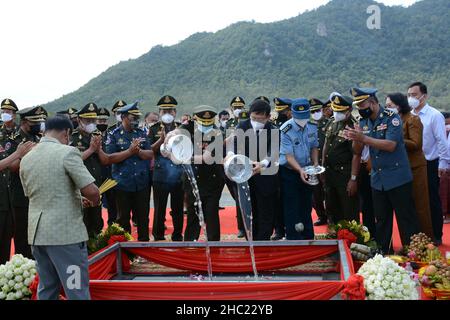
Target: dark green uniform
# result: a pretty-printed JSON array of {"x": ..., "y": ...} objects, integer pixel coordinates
[
  {"x": 92, "y": 216},
  {"x": 19, "y": 201},
  {"x": 210, "y": 183},
  {"x": 338, "y": 164},
  {"x": 6, "y": 214}
]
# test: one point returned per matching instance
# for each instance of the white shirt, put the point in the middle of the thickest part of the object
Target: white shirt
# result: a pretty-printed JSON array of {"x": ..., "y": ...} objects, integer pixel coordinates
[{"x": 434, "y": 136}]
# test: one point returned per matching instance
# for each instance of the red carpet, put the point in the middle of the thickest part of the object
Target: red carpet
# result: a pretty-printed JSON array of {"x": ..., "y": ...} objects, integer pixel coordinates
[{"x": 228, "y": 226}]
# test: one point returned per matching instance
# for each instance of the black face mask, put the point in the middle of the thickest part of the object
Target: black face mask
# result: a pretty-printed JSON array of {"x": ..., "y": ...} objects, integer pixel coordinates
[
  {"x": 75, "y": 124},
  {"x": 102, "y": 127},
  {"x": 366, "y": 113},
  {"x": 282, "y": 117},
  {"x": 35, "y": 129}
]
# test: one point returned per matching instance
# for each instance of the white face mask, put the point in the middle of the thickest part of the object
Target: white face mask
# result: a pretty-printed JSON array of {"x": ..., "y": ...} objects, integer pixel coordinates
[
  {"x": 447, "y": 127},
  {"x": 90, "y": 127},
  {"x": 317, "y": 115},
  {"x": 204, "y": 129},
  {"x": 394, "y": 110},
  {"x": 6, "y": 117},
  {"x": 301, "y": 122},
  {"x": 237, "y": 112},
  {"x": 257, "y": 125},
  {"x": 223, "y": 123},
  {"x": 118, "y": 118},
  {"x": 339, "y": 116},
  {"x": 414, "y": 102},
  {"x": 167, "y": 118},
  {"x": 42, "y": 126}
]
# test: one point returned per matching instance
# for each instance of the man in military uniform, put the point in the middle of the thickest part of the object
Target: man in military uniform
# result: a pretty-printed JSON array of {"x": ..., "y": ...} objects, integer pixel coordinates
[
  {"x": 209, "y": 177},
  {"x": 391, "y": 177},
  {"x": 129, "y": 151},
  {"x": 8, "y": 114},
  {"x": 298, "y": 149},
  {"x": 318, "y": 118},
  {"x": 224, "y": 116},
  {"x": 341, "y": 160},
  {"x": 167, "y": 176},
  {"x": 31, "y": 120},
  {"x": 117, "y": 117},
  {"x": 283, "y": 111},
  {"x": 109, "y": 200},
  {"x": 71, "y": 113},
  {"x": 88, "y": 139},
  {"x": 237, "y": 105}
]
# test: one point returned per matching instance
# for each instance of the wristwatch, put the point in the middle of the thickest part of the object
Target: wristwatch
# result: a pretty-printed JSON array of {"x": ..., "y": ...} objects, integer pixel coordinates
[{"x": 353, "y": 178}]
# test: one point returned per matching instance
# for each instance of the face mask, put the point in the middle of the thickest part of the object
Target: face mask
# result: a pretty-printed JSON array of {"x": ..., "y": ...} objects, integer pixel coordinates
[
  {"x": 394, "y": 110},
  {"x": 366, "y": 113},
  {"x": 447, "y": 127},
  {"x": 167, "y": 118},
  {"x": 301, "y": 122},
  {"x": 102, "y": 127},
  {"x": 282, "y": 117},
  {"x": 42, "y": 126},
  {"x": 237, "y": 112},
  {"x": 317, "y": 115},
  {"x": 134, "y": 124},
  {"x": 90, "y": 127},
  {"x": 257, "y": 125},
  {"x": 118, "y": 118},
  {"x": 339, "y": 116},
  {"x": 75, "y": 124},
  {"x": 414, "y": 102},
  {"x": 6, "y": 117},
  {"x": 223, "y": 123},
  {"x": 204, "y": 129},
  {"x": 35, "y": 129}
]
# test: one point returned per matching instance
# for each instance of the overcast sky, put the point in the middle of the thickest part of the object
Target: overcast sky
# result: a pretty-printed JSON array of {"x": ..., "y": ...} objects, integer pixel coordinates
[{"x": 53, "y": 47}]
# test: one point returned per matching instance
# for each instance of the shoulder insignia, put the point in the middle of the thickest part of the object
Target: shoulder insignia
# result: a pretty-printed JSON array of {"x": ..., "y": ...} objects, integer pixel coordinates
[
  {"x": 7, "y": 146},
  {"x": 389, "y": 113},
  {"x": 108, "y": 140},
  {"x": 395, "y": 122},
  {"x": 287, "y": 128}
]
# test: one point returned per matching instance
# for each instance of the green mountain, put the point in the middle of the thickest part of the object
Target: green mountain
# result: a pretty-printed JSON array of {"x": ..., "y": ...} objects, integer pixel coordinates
[{"x": 320, "y": 51}]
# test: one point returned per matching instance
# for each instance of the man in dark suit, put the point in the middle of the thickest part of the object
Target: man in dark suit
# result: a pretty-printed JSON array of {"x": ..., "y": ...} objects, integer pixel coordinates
[{"x": 263, "y": 187}]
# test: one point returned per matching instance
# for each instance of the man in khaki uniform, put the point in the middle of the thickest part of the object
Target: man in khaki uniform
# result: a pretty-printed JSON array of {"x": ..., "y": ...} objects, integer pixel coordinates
[{"x": 53, "y": 174}]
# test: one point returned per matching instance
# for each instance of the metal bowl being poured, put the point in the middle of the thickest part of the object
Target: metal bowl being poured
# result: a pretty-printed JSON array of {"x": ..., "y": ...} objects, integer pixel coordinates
[
  {"x": 178, "y": 148},
  {"x": 238, "y": 168}
]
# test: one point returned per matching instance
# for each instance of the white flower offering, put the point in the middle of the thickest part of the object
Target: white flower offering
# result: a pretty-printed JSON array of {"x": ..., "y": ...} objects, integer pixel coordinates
[{"x": 15, "y": 277}]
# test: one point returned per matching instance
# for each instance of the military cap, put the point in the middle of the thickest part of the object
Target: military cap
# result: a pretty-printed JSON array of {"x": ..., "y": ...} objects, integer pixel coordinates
[
  {"x": 204, "y": 115},
  {"x": 300, "y": 108},
  {"x": 119, "y": 104},
  {"x": 244, "y": 115},
  {"x": 132, "y": 109},
  {"x": 264, "y": 98},
  {"x": 34, "y": 114},
  {"x": 103, "y": 113},
  {"x": 167, "y": 102},
  {"x": 9, "y": 104},
  {"x": 315, "y": 104},
  {"x": 340, "y": 103},
  {"x": 282, "y": 103},
  {"x": 71, "y": 112},
  {"x": 89, "y": 111},
  {"x": 362, "y": 94},
  {"x": 237, "y": 102}
]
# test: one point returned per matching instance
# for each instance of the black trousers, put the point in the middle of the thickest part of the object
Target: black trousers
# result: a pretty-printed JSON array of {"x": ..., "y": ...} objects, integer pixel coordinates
[
  {"x": 318, "y": 201},
  {"x": 232, "y": 187},
  {"x": 401, "y": 201},
  {"x": 139, "y": 204},
  {"x": 110, "y": 196},
  {"x": 161, "y": 193},
  {"x": 263, "y": 210},
  {"x": 437, "y": 218},
  {"x": 93, "y": 220},
  {"x": 21, "y": 232},
  {"x": 210, "y": 207},
  {"x": 365, "y": 200},
  {"x": 6, "y": 234}
]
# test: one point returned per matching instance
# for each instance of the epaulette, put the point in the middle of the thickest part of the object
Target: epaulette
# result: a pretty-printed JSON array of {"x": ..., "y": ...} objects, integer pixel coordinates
[
  {"x": 287, "y": 128},
  {"x": 96, "y": 133},
  {"x": 114, "y": 130},
  {"x": 314, "y": 123}
]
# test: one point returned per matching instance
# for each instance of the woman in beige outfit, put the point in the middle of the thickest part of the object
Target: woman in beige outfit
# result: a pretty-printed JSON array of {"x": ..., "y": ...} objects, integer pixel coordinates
[{"x": 412, "y": 135}]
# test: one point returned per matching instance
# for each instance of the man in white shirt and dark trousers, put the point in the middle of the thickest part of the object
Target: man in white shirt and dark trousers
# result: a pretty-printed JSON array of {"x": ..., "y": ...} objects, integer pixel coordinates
[{"x": 434, "y": 148}]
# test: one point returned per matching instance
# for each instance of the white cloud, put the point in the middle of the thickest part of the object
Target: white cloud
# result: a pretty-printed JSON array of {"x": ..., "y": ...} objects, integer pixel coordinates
[{"x": 52, "y": 47}]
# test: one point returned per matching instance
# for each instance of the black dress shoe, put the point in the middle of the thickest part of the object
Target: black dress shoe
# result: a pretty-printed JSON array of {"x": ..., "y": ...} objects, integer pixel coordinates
[
  {"x": 241, "y": 234},
  {"x": 320, "y": 222},
  {"x": 177, "y": 238}
]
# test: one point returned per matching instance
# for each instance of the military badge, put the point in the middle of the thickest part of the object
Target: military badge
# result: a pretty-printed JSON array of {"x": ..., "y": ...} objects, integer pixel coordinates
[
  {"x": 395, "y": 122},
  {"x": 7, "y": 146}
]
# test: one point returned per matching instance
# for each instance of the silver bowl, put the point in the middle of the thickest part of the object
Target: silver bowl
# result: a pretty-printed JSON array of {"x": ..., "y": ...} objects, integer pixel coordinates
[
  {"x": 312, "y": 173},
  {"x": 179, "y": 149},
  {"x": 238, "y": 168}
]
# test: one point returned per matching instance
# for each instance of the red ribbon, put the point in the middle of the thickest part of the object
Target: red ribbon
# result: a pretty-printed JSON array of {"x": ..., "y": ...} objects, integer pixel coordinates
[
  {"x": 347, "y": 236},
  {"x": 354, "y": 288}
]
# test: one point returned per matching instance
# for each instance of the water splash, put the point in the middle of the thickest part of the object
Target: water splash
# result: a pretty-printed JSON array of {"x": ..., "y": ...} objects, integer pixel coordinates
[{"x": 201, "y": 218}]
